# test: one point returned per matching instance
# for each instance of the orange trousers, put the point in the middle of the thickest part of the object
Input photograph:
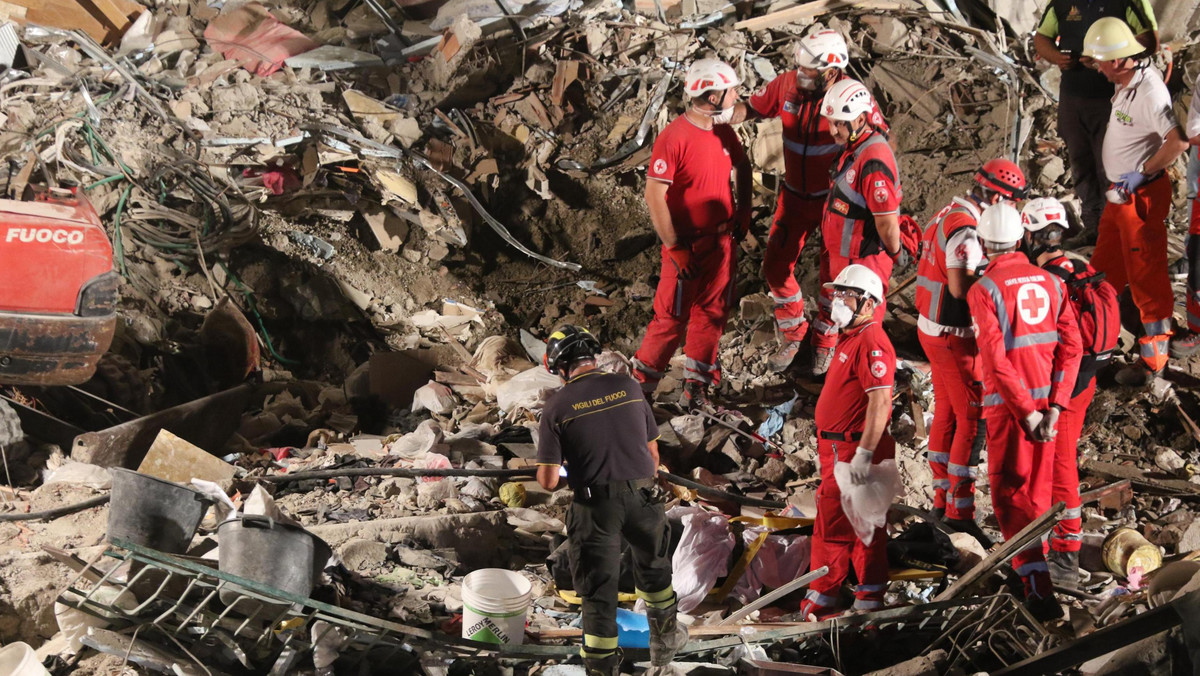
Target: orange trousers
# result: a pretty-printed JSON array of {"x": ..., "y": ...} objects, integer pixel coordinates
[{"x": 1131, "y": 250}]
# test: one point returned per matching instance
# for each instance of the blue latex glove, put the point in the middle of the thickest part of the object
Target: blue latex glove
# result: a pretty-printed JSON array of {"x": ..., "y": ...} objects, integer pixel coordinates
[{"x": 1132, "y": 180}]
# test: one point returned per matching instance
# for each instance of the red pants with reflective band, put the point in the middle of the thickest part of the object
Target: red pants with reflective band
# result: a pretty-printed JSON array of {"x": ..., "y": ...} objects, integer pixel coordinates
[
  {"x": 695, "y": 309},
  {"x": 1131, "y": 249},
  {"x": 1067, "y": 532},
  {"x": 796, "y": 218},
  {"x": 1021, "y": 473},
  {"x": 1193, "y": 257},
  {"x": 834, "y": 542},
  {"x": 825, "y": 334},
  {"x": 957, "y": 435}
]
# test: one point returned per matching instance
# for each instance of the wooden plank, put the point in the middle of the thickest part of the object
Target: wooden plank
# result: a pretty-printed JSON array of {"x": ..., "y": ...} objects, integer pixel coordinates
[
  {"x": 810, "y": 10},
  {"x": 1097, "y": 494},
  {"x": 1139, "y": 478},
  {"x": 108, "y": 11},
  {"x": 68, "y": 16},
  {"x": 1003, "y": 553}
]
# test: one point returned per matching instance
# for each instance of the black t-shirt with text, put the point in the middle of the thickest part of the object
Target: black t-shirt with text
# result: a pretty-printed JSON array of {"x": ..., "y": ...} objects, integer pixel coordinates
[{"x": 599, "y": 424}]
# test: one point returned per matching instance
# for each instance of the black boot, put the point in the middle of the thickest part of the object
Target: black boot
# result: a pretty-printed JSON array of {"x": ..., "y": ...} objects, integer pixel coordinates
[
  {"x": 971, "y": 528},
  {"x": 666, "y": 634},
  {"x": 1064, "y": 568},
  {"x": 938, "y": 513},
  {"x": 603, "y": 666},
  {"x": 1043, "y": 608},
  {"x": 695, "y": 396}
]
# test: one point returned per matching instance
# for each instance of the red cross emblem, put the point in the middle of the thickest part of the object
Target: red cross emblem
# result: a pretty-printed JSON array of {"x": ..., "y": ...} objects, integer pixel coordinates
[{"x": 1033, "y": 303}]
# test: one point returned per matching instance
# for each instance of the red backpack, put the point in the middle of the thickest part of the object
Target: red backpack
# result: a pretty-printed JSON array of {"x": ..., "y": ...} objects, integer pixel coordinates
[{"x": 1096, "y": 309}]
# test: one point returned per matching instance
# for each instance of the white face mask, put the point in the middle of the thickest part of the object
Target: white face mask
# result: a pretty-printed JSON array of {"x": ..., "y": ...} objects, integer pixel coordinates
[
  {"x": 840, "y": 314},
  {"x": 723, "y": 117},
  {"x": 806, "y": 83}
]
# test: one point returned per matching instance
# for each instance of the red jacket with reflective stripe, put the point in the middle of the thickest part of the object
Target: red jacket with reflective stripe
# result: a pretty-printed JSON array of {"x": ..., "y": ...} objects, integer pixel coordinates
[
  {"x": 865, "y": 182},
  {"x": 808, "y": 147},
  {"x": 933, "y": 298},
  {"x": 1028, "y": 339}
]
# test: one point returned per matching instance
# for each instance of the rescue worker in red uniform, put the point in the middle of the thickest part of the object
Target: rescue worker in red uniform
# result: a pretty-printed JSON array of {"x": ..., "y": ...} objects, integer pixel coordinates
[
  {"x": 1045, "y": 221},
  {"x": 808, "y": 151},
  {"x": 696, "y": 217},
  {"x": 861, "y": 221},
  {"x": 951, "y": 255},
  {"x": 1029, "y": 349},
  {"x": 852, "y": 418}
]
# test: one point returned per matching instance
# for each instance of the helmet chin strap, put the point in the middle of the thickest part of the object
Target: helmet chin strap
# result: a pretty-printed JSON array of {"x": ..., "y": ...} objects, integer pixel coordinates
[{"x": 856, "y": 133}]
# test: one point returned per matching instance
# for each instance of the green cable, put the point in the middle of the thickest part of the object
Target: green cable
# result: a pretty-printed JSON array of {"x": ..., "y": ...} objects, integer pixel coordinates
[
  {"x": 261, "y": 324},
  {"x": 103, "y": 181},
  {"x": 120, "y": 241}
]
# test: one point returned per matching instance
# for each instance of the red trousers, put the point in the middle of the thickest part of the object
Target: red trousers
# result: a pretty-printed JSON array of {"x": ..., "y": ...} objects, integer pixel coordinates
[
  {"x": 1131, "y": 249},
  {"x": 957, "y": 435},
  {"x": 1068, "y": 531},
  {"x": 1021, "y": 473},
  {"x": 825, "y": 334},
  {"x": 693, "y": 309},
  {"x": 834, "y": 542},
  {"x": 796, "y": 218}
]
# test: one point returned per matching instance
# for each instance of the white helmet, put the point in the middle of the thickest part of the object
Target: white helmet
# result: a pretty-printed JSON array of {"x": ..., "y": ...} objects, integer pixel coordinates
[
  {"x": 859, "y": 277},
  {"x": 710, "y": 75},
  {"x": 821, "y": 50},
  {"x": 1043, "y": 211},
  {"x": 1000, "y": 224},
  {"x": 846, "y": 100}
]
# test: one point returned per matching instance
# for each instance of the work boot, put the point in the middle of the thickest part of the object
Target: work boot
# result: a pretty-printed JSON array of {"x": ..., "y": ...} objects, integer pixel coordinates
[
  {"x": 1135, "y": 375},
  {"x": 822, "y": 358},
  {"x": 666, "y": 634},
  {"x": 938, "y": 513},
  {"x": 781, "y": 359},
  {"x": 1179, "y": 269},
  {"x": 1043, "y": 608},
  {"x": 971, "y": 528},
  {"x": 1064, "y": 568},
  {"x": 1185, "y": 345},
  {"x": 603, "y": 666},
  {"x": 695, "y": 395},
  {"x": 1085, "y": 238}
]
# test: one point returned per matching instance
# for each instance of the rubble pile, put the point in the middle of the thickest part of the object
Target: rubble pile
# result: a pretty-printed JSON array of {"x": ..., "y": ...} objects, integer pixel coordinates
[{"x": 378, "y": 214}]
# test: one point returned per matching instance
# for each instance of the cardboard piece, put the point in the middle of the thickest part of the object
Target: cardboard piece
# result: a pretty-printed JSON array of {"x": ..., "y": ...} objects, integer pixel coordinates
[{"x": 175, "y": 459}]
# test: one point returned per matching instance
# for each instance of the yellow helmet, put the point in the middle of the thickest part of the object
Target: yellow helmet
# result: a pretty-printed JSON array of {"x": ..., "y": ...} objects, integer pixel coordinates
[{"x": 1110, "y": 39}]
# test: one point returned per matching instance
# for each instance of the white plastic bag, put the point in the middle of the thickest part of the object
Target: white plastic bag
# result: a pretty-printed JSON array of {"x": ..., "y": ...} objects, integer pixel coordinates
[
  {"x": 527, "y": 389},
  {"x": 781, "y": 559},
  {"x": 702, "y": 555},
  {"x": 867, "y": 505},
  {"x": 433, "y": 397}
]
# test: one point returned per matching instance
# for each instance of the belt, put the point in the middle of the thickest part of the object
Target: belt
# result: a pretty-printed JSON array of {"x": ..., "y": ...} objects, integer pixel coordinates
[
  {"x": 805, "y": 195},
  {"x": 840, "y": 436},
  {"x": 614, "y": 488}
]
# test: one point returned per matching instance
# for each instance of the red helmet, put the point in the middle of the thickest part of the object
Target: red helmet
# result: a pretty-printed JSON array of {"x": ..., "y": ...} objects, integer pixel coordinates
[{"x": 1002, "y": 176}]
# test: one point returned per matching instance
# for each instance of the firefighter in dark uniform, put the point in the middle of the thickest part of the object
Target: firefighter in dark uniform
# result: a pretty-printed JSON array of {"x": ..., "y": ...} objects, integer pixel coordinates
[{"x": 600, "y": 427}]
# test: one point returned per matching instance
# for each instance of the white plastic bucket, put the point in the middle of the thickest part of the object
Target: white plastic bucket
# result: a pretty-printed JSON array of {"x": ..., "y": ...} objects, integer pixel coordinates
[
  {"x": 494, "y": 605},
  {"x": 18, "y": 659}
]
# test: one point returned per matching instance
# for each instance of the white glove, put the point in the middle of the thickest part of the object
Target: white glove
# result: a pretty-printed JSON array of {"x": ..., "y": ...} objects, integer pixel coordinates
[
  {"x": 860, "y": 466},
  {"x": 1048, "y": 429},
  {"x": 1031, "y": 424}
]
